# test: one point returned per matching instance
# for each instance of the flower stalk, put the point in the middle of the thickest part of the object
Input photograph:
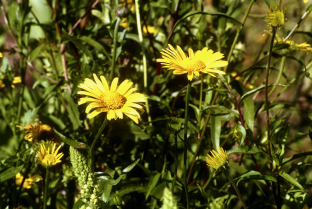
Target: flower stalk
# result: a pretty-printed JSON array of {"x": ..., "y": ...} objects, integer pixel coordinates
[
  {"x": 95, "y": 141},
  {"x": 188, "y": 92},
  {"x": 234, "y": 186},
  {"x": 46, "y": 190},
  {"x": 114, "y": 49}
]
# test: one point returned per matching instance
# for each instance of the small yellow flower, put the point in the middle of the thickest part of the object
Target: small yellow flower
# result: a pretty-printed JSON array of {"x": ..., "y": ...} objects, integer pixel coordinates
[
  {"x": 302, "y": 47},
  {"x": 28, "y": 181},
  {"x": 38, "y": 132},
  {"x": 16, "y": 80},
  {"x": 115, "y": 100},
  {"x": 150, "y": 29},
  {"x": 48, "y": 153},
  {"x": 202, "y": 61},
  {"x": 217, "y": 160},
  {"x": 124, "y": 23},
  {"x": 305, "y": 1},
  {"x": 276, "y": 17}
]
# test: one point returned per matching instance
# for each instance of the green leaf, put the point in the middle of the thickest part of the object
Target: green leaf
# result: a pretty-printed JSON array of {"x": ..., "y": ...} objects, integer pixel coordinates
[
  {"x": 73, "y": 111},
  {"x": 95, "y": 44},
  {"x": 248, "y": 150},
  {"x": 255, "y": 175},
  {"x": 290, "y": 179},
  {"x": 130, "y": 167},
  {"x": 215, "y": 128},
  {"x": 158, "y": 99},
  {"x": 158, "y": 191},
  {"x": 154, "y": 177},
  {"x": 309, "y": 8},
  {"x": 34, "y": 53},
  {"x": 76, "y": 144},
  {"x": 10, "y": 173},
  {"x": 296, "y": 156}
]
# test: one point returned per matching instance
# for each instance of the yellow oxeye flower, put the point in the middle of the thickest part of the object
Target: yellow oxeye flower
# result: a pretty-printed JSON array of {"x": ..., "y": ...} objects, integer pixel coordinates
[
  {"x": 38, "y": 132},
  {"x": 115, "y": 100},
  {"x": 202, "y": 61},
  {"x": 28, "y": 181},
  {"x": 48, "y": 153},
  {"x": 217, "y": 160},
  {"x": 276, "y": 17}
]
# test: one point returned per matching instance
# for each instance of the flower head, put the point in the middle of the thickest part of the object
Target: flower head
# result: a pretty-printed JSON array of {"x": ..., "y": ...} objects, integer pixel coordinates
[
  {"x": 202, "y": 61},
  {"x": 48, "y": 153},
  {"x": 150, "y": 29},
  {"x": 217, "y": 159},
  {"x": 292, "y": 45},
  {"x": 38, "y": 132},
  {"x": 276, "y": 17},
  {"x": 115, "y": 100},
  {"x": 28, "y": 181}
]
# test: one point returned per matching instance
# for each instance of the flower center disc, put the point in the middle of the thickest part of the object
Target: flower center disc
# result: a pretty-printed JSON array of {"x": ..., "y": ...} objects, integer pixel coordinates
[
  {"x": 112, "y": 100},
  {"x": 193, "y": 64}
]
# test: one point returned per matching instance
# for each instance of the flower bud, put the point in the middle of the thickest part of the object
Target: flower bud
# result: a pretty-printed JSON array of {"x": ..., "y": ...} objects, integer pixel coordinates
[{"x": 122, "y": 12}]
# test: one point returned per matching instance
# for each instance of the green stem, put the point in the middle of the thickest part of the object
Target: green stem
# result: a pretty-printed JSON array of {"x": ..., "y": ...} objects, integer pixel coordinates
[
  {"x": 200, "y": 99},
  {"x": 279, "y": 75},
  {"x": 138, "y": 19},
  {"x": 176, "y": 161},
  {"x": 46, "y": 188},
  {"x": 95, "y": 140},
  {"x": 114, "y": 49},
  {"x": 185, "y": 142},
  {"x": 235, "y": 187}
]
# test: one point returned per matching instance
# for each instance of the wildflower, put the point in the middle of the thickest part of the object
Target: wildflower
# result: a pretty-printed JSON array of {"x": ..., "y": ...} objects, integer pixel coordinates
[
  {"x": 115, "y": 100},
  {"x": 217, "y": 160},
  {"x": 28, "y": 181},
  {"x": 302, "y": 47},
  {"x": 202, "y": 61},
  {"x": 276, "y": 17},
  {"x": 150, "y": 29},
  {"x": 48, "y": 153},
  {"x": 16, "y": 80},
  {"x": 38, "y": 132},
  {"x": 305, "y": 1}
]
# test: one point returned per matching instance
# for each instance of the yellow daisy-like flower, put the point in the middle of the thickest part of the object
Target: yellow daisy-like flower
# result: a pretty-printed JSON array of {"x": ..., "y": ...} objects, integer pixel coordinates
[
  {"x": 302, "y": 47},
  {"x": 276, "y": 17},
  {"x": 28, "y": 181},
  {"x": 48, "y": 153},
  {"x": 115, "y": 100},
  {"x": 38, "y": 132},
  {"x": 202, "y": 61},
  {"x": 217, "y": 160}
]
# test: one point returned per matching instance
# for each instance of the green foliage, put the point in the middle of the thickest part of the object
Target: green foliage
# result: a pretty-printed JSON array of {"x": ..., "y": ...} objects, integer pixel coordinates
[{"x": 50, "y": 47}]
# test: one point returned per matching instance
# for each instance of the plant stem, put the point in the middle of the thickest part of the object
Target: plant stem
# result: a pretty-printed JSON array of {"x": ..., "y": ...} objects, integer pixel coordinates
[
  {"x": 235, "y": 187},
  {"x": 175, "y": 161},
  {"x": 267, "y": 72},
  {"x": 200, "y": 99},
  {"x": 94, "y": 142},
  {"x": 187, "y": 99},
  {"x": 138, "y": 19},
  {"x": 114, "y": 49},
  {"x": 46, "y": 190}
]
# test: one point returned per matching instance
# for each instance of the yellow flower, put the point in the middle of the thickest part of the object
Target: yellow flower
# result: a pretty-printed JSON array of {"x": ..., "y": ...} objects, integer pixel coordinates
[
  {"x": 28, "y": 181},
  {"x": 38, "y": 132},
  {"x": 150, "y": 29},
  {"x": 276, "y": 17},
  {"x": 124, "y": 23},
  {"x": 16, "y": 80},
  {"x": 48, "y": 155},
  {"x": 217, "y": 160},
  {"x": 202, "y": 61},
  {"x": 302, "y": 47},
  {"x": 115, "y": 100},
  {"x": 305, "y": 1}
]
